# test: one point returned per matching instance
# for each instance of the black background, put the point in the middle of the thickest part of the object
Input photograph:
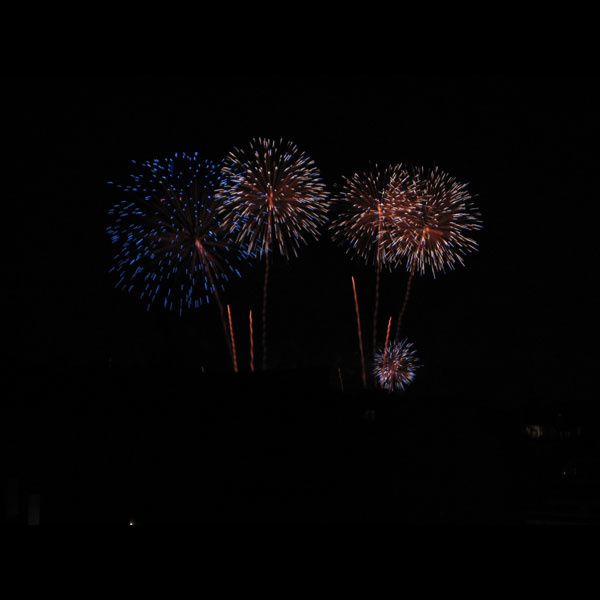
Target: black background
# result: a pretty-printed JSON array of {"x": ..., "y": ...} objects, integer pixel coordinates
[
  {"x": 518, "y": 314},
  {"x": 515, "y": 326}
]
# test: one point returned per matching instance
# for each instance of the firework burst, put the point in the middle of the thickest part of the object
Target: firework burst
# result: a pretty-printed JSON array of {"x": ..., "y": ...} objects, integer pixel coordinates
[
  {"x": 395, "y": 365},
  {"x": 370, "y": 206},
  {"x": 170, "y": 249},
  {"x": 436, "y": 230},
  {"x": 272, "y": 198},
  {"x": 435, "y": 225}
]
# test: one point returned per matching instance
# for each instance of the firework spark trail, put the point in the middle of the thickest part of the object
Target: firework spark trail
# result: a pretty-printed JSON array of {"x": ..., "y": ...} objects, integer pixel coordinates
[
  {"x": 360, "y": 340},
  {"x": 232, "y": 335},
  {"x": 251, "y": 327},
  {"x": 387, "y": 337},
  {"x": 405, "y": 302},
  {"x": 272, "y": 198},
  {"x": 265, "y": 296},
  {"x": 341, "y": 380},
  {"x": 377, "y": 275},
  {"x": 387, "y": 334},
  {"x": 395, "y": 368},
  {"x": 385, "y": 346}
]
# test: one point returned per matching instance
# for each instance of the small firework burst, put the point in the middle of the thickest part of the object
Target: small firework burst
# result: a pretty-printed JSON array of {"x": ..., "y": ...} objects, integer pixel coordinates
[
  {"x": 272, "y": 196},
  {"x": 170, "y": 248},
  {"x": 372, "y": 204},
  {"x": 437, "y": 227},
  {"x": 394, "y": 366}
]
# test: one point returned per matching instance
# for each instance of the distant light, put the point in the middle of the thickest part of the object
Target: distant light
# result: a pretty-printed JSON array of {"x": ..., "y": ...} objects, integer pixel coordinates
[{"x": 132, "y": 523}]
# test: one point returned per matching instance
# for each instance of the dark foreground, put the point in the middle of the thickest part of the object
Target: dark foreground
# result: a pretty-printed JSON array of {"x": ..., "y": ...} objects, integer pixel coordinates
[{"x": 105, "y": 447}]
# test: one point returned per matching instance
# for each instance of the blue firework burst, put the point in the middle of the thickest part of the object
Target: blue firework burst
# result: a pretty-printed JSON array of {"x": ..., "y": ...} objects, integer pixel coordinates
[{"x": 170, "y": 248}]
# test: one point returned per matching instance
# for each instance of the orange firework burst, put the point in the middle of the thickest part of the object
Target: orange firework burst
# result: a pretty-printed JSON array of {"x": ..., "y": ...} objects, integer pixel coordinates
[
  {"x": 435, "y": 219},
  {"x": 272, "y": 198},
  {"x": 369, "y": 206},
  {"x": 436, "y": 230}
]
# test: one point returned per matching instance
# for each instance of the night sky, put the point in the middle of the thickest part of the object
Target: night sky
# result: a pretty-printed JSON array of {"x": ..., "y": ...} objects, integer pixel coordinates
[{"x": 515, "y": 322}]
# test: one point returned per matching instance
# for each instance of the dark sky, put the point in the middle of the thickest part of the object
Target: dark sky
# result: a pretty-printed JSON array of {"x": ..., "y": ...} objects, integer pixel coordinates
[{"x": 517, "y": 318}]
